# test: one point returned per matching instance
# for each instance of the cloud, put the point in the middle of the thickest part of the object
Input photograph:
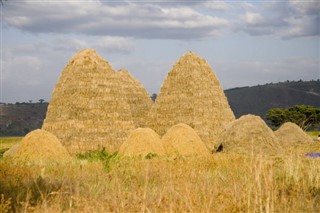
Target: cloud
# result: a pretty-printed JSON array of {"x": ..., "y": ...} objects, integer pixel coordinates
[{"x": 144, "y": 20}]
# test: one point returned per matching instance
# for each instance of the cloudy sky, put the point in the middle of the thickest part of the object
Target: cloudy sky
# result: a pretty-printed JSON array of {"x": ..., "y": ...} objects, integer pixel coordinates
[{"x": 245, "y": 42}]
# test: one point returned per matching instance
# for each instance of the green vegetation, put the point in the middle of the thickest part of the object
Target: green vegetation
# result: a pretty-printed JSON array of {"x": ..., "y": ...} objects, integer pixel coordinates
[
  {"x": 304, "y": 116},
  {"x": 7, "y": 142}
]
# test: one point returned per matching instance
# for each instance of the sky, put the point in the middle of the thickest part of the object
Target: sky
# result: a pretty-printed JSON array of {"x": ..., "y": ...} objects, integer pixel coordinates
[{"x": 246, "y": 43}]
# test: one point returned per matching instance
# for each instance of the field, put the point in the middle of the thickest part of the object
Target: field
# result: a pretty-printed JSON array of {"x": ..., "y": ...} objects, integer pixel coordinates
[{"x": 103, "y": 182}]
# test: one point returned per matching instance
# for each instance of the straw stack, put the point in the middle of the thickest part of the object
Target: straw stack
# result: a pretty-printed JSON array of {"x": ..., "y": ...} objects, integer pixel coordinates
[
  {"x": 290, "y": 133},
  {"x": 137, "y": 97},
  {"x": 39, "y": 147},
  {"x": 191, "y": 94},
  {"x": 141, "y": 142},
  {"x": 249, "y": 135},
  {"x": 182, "y": 140},
  {"x": 87, "y": 110}
]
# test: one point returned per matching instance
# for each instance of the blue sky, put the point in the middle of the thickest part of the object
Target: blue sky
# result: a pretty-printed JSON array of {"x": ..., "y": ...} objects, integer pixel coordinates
[{"x": 245, "y": 42}]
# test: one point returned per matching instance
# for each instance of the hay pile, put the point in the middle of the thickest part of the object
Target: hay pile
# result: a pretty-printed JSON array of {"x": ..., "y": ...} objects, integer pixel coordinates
[
  {"x": 137, "y": 97},
  {"x": 290, "y": 133},
  {"x": 249, "y": 135},
  {"x": 141, "y": 142},
  {"x": 181, "y": 139},
  {"x": 87, "y": 110},
  {"x": 40, "y": 147},
  {"x": 191, "y": 94}
]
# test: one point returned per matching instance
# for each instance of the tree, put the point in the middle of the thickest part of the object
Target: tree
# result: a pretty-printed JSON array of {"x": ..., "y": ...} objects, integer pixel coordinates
[
  {"x": 154, "y": 97},
  {"x": 303, "y": 115},
  {"x": 41, "y": 101}
]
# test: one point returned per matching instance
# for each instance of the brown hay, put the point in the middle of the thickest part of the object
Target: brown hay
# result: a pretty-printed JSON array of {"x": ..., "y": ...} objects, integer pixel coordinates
[
  {"x": 181, "y": 139},
  {"x": 191, "y": 94},
  {"x": 137, "y": 97},
  {"x": 290, "y": 133},
  {"x": 294, "y": 140},
  {"x": 87, "y": 110},
  {"x": 12, "y": 151},
  {"x": 142, "y": 141},
  {"x": 248, "y": 135},
  {"x": 40, "y": 146}
]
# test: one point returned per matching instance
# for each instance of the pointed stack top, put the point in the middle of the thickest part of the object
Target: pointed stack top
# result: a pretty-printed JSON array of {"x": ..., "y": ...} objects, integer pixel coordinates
[
  {"x": 290, "y": 133},
  {"x": 191, "y": 94}
]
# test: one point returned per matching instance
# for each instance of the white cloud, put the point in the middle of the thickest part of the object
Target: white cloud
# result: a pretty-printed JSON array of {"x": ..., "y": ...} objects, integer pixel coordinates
[{"x": 253, "y": 18}]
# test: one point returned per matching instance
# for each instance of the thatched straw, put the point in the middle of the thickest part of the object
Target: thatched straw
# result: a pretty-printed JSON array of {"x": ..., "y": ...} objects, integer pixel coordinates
[
  {"x": 181, "y": 139},
  {"x": 87, "y": 110},
  {"x": 141, "y": 142},
  {"x": 12, "y": 151},
  {"x": 290, "y": 133},
  {"x": 137, "y": 96},
  {"x": 40, "y": 147},
  {"x": 191, "y": 94},
  {"x": 249, "y": 135}
]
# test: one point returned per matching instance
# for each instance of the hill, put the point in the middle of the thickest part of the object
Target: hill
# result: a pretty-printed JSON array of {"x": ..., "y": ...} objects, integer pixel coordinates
[
  {"x": 20, "y": 118},
  {"x": 259, "y": 99}
]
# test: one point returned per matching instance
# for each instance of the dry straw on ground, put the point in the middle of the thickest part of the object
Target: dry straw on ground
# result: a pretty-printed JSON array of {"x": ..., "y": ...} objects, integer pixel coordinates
[
  {"x": 87, "y": 110},
  {"x": 137, "y": 97},
  {"x": 249, "y": 135},
  {"x": 182, "y": 140},
  {"x": 39, "y": 147},
  {"x": 191, "y": 94},
  {"x": 294, "y": 140},
  {"x": 141, "y": 142}
]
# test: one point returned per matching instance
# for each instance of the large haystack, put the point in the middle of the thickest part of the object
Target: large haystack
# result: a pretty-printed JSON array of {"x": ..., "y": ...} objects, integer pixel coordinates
[
  {"x": 290, "y": 133},
  {"x": 181, "y": 139},
  {"x": 40, "y": 147},
  {"x": 191, "y": 94},
  {"x": 137, "y": 97},
  {"x": 248, "y": 135},
  {"x": 87, "y": 109},
  {"x": 142, "y": 141}
]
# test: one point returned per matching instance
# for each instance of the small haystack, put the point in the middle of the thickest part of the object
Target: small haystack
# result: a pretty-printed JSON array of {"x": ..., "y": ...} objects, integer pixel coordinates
[
  {"x": 181, "y": 139},
  {"x": 191, "y": 94},
  {"x": 87, "y": 110},
  {"x": 137, "y": 97},
  {"x": 290, "y": 133},
  {"x": 40, "y": 147},
  {"x": 12, "y": 151},
  {"x": 141, "y": 142},
  {"x": 248, "y": 134}
]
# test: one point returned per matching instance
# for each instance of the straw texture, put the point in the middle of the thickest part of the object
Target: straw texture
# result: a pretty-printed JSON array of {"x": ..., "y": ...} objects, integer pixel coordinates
[
  {"x": 249, "y": 135},
  {"x": 40, "y": 147},
  {"x": 181, "y": 139},
  {"x": 191, "y": 94},
  {"x": 141, "y": 142},
  {"x": 290, "y": 133},
  {"x": 87, "y": 110},
  {"x": 137, "y": 96}
]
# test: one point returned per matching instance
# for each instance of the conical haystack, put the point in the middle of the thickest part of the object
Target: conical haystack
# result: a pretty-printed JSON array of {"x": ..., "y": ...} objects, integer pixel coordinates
[
  {"x": 137, "y": 97},
  {"x": 191, "y": 94},
  {"x": 87, "y": 110},
  {"x": 181, "y": 139},
  {"x": 40, "y": 147},
  {"x": 248, "y": 135},
  {"x": 290, "y": 133},
  {"x": 142, "y": 141}
]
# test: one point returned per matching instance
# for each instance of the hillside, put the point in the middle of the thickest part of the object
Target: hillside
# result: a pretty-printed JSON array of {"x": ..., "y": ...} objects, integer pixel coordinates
[
  {"x": 259, "y": 99},
  {"x": 20, "y": 118}
]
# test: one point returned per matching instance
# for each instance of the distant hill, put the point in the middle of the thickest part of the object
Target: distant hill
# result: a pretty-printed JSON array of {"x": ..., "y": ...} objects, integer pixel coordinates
[
  {"x": 20, "y": 118},
  {"x": 259, "y": 99}
]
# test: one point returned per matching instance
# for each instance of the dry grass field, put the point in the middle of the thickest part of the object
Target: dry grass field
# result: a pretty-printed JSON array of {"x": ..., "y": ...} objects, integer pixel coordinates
[{"x": 104, "y": 182}]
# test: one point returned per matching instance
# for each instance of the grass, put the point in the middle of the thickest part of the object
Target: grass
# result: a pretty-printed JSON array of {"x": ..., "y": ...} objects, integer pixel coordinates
[
  {"x": 313, "y": 134},
  {"x": 7, "y": 142},
  {"x": 223, "y": 183}
]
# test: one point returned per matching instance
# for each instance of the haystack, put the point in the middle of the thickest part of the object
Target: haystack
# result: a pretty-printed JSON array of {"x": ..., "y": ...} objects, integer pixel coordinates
[
  {"x": 191, "y": 94},
  {"x": 290, "y": 133},
  {"x": 142, "y": 141},
  {"x": 40, "y": 147},
  {"x": 248, "y": 135},
  {"x": 137, "y": 97},
  {"x": 181, "y": 139},
  {"x": 87, "y": 110}
]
